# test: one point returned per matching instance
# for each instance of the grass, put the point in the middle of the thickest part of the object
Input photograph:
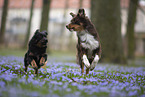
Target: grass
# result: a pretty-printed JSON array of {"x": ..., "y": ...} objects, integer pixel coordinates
[
  {"x": 21, "y": 52},
  {"x": 16, "y": 52},
  {"x": 62, "y": 78}
]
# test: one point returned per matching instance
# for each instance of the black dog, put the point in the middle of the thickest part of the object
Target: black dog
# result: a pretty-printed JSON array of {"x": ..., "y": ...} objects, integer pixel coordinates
[{"x": 36, "y": 55}]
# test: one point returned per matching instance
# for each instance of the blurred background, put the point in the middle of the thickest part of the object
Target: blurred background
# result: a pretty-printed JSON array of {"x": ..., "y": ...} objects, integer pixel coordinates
[{"x": 120, "y": 23}]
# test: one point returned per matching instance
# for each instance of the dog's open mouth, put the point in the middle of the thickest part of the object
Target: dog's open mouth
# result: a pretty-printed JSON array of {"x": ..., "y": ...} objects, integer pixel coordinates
[{"x": 71, "y": 29}]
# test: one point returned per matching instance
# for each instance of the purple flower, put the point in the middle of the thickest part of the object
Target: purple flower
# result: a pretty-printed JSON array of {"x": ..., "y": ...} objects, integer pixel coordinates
[
  {"x": 132, "y": 93},
  {"x": 2, "y": 84}
]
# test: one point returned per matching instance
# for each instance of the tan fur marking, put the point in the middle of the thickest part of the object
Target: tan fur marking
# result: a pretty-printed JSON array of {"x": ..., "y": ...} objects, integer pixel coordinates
[
  {"x": 42, "y": 60},
  {"x": 33, "y": 63},
  {"x": 44, "y": 66},
  {"x": 75, "y": 27}
]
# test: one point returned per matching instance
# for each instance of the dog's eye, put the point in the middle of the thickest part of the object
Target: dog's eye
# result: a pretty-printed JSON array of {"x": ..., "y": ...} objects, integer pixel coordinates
[
  {"x": 77, "y": 23},
  {"x": 40, "y": 36},
  {"x": 44, "y": 35}
]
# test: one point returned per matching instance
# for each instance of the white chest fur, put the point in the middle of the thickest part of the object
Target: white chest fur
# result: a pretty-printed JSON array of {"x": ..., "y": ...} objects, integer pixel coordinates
[{"x": 88, "y": 40}]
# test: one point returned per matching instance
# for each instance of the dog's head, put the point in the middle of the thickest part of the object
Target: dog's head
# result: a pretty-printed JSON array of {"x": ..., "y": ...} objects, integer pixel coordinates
[
  {"x": 40, "y": 39},
  {"x": 78, "y": 22}
]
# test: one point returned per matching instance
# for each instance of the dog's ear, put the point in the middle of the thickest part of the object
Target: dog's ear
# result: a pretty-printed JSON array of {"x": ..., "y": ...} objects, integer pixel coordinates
[
  {"x": 81, "y": 12},
  {"x": 45, "y": 32},
  {"x": 72, "y": 14},
  {"x": 37, "y": 31}
]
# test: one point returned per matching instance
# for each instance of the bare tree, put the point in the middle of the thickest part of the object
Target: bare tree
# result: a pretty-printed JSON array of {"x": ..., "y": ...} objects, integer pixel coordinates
[
  {"x": 3, "y": 21},
  {"x": 105, "y": 14},
  {"x": 29, "y": 24},
  {"x": 130, "y": 28}
]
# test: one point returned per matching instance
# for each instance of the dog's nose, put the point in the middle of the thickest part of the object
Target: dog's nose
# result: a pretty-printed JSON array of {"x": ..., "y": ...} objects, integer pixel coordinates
[{"x": 67, "y": 26}]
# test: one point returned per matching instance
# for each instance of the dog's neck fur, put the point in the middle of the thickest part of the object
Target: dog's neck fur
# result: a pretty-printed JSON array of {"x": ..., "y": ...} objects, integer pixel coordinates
[
  {"x": 87, "y": 40},
  {"x": 37, "y": 50}
]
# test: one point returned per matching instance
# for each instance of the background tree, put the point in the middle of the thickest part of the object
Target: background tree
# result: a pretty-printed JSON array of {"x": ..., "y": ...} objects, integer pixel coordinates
[
  {"x": 81, "y": 4},
  {"x": 45, "y": 15},
  {"x": 105, "y": 14},
  {"x": 29, "y": 24},
  {"x": 62, "y": 35},
  {"x": 3, "y": 21},
  {"x": 130, "y": 27},
  {"x": 64, "y": 17}
]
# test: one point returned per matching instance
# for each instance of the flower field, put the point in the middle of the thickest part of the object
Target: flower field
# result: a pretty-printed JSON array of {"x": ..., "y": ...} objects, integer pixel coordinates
[{"x": 62, "y": 79}]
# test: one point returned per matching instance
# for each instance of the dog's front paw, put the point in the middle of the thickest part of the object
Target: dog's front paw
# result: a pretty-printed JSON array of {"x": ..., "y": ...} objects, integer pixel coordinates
[
  {"x": 34, "y": 65},
  {"x": 86, "y": 61},
  {"x": 94, "y": 63},
  {"x": 92, "y": 67},
  {"x": 42, "y": 61},
  {"x": 44, "y": 66}
]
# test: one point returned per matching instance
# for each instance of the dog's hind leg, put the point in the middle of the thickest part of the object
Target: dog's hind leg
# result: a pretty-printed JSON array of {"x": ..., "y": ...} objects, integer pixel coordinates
[
  {"x": 26, "y": 63},
  {"x": 94, "y": 63}
]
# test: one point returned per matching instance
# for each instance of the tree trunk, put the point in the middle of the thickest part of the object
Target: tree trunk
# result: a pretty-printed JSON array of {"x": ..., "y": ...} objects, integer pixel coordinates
[
  {"x": 63, "y": 40},
  {"x": 45, "y": 18},
  {"x": 106, "y": 17},
  {"x": 64, "y": 18},
  {"x": 29, "y": 24},
  {"x": 45, "y": 15},
  {"x": 130, "y": 28},
  {"x": 3, "y": 21},
  {"x": 81, "y": 4}
]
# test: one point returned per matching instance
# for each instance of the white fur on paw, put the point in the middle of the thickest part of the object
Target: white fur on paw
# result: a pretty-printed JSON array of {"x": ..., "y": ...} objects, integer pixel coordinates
[
  {"x": 96, "y": 59},
  {"x": 94, "y": 63},
  {"x": 86, "y": 61}
]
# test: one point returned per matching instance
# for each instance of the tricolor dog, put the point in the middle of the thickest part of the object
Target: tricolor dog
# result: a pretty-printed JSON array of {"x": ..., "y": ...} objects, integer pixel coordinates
[{"x": 88, "y": 46}]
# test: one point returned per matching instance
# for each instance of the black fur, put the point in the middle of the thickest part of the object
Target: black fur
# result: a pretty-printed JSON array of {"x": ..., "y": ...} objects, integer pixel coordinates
[
  {"x": 79, "y": 23},
  {"x": 36, "y": 51}
]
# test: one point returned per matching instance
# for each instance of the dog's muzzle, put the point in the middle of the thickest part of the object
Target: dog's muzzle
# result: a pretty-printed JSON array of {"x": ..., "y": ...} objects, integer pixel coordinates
[{"x": 69, "y": 28}]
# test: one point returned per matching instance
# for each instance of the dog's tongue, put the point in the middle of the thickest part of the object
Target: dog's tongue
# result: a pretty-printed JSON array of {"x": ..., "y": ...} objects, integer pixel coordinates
[{"x": 71, "y": 30}]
